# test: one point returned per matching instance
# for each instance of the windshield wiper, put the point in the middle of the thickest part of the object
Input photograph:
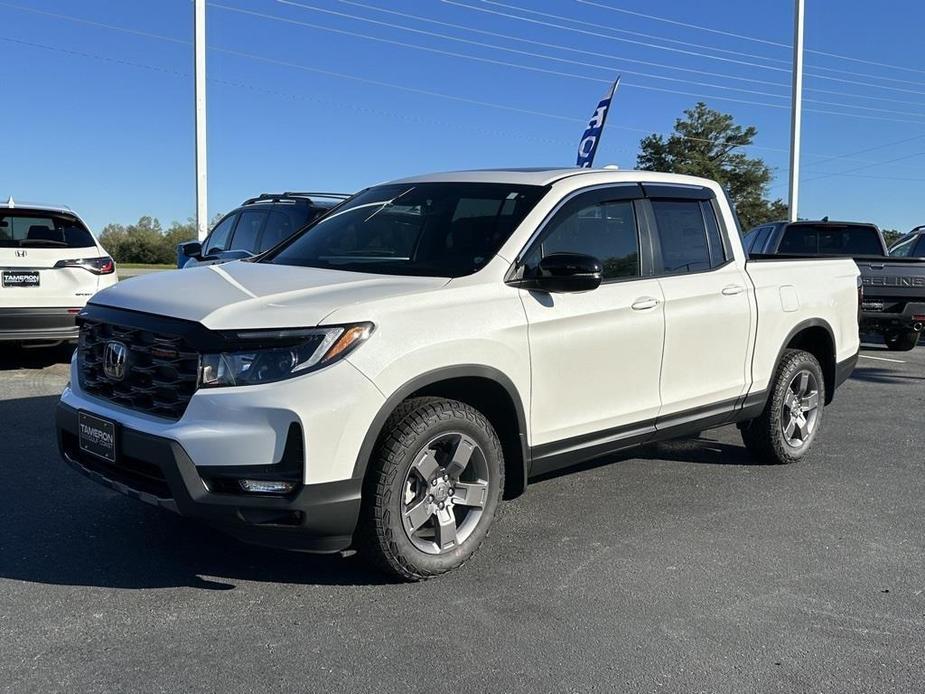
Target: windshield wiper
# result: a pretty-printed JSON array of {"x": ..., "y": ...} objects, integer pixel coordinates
[
  {"x": 388, "y": 204},
  {"x": 43, "y": 242}
]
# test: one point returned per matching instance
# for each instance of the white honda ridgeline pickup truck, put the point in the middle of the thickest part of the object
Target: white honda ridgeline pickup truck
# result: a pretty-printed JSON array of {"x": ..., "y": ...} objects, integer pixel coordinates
[{"x": 379, "y": 380}]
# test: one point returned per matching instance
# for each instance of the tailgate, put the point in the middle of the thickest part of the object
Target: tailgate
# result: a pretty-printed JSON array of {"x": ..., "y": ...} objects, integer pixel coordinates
[
  {"x": 896, "y": 281},
  {"x": 29, "y": 278}
]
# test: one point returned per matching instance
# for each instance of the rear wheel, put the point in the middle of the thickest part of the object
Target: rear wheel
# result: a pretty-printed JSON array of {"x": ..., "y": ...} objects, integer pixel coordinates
[
  {"x": 784, "y": 432},
  {"x": 901, "y": 342},
  {"x": 434, "y": 485}
]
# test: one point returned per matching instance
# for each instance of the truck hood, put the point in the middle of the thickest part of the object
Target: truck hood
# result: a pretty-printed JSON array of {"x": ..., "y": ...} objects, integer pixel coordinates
[{"x": 242, "y": 295}]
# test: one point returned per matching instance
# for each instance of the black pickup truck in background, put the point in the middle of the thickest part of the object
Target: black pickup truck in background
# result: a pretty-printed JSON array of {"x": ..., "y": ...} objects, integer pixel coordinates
[{"x": 894, "y": 285}]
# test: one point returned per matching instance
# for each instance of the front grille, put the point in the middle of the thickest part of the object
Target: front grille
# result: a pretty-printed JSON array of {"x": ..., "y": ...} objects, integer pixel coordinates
[{"x": 160, "y": 375}]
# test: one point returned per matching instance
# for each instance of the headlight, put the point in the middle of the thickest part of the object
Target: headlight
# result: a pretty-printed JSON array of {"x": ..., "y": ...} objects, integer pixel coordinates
[{"x": 279, "y": 354}]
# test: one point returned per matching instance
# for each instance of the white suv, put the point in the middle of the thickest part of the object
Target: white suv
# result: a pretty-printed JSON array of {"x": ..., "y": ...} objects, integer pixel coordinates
[
  {"x": 380, "y": 379},
  {"x": 50, "y": 265}
]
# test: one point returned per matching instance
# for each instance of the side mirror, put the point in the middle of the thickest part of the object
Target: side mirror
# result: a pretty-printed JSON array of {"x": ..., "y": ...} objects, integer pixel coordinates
[
  {"x": 565, "y": 272},
  {"x": 187, "y": 250}
]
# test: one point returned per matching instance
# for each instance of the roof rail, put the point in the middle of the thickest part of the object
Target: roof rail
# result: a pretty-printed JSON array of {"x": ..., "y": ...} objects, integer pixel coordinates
[
  {"x": 10, "y": 203},
  {"x": 294, "y": 196},
  {"x": 339, "y": 196}
]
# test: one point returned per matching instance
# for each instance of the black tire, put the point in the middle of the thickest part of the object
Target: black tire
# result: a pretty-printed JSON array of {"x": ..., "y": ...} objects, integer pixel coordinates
[
  {"x": 765, "y": 435},
  {"x": 901, "y": 342},
  {"x": 382, "y": 537}
]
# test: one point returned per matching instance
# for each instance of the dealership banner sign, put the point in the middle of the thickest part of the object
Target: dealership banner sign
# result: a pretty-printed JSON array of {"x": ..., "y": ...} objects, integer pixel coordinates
[{"x": 587, "y": 147}]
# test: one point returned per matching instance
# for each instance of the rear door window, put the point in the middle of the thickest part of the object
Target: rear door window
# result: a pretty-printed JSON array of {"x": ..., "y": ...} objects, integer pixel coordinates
[
  {"x": 904, "y": 249},
  {"x": 281, "y": 224},
  {"x": 31, "y": 230},
  {"x": 250, "y": 222},
  {"x": 682, "y": 236},
  {"x": 830, "y": 239},
  {"x": 756, "y": 239}
]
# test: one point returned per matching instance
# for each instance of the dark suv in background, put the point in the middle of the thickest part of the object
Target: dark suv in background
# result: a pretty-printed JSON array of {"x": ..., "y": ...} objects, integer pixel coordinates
[
  {"x": 912, "y": 245},
  {"x": 893, "y": 303},
  {"x": 815, "y": 238},
  {"x": 256, "y": 226}
]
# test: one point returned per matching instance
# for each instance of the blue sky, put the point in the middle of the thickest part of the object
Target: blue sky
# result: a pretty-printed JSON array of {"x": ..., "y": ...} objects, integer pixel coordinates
[{"x": 101, "y": 119}]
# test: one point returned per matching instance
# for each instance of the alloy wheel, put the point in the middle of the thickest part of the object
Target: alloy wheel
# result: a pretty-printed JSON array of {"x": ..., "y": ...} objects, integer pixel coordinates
[
  {"x": 444, "y": 493},
  {"x": 800, "y": 408}
]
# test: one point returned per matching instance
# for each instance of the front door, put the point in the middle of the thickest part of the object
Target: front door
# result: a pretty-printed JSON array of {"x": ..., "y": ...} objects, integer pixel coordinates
[{"x": 595, "y": 356}]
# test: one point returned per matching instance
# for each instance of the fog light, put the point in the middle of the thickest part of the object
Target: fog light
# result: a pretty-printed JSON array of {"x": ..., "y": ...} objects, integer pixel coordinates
[{"x": 266, "y": 486}]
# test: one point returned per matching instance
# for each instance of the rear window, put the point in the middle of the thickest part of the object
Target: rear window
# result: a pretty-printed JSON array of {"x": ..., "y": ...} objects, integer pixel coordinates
[
  {"x": 828, "y": 239},
  {"x": 36, "y": 230}
]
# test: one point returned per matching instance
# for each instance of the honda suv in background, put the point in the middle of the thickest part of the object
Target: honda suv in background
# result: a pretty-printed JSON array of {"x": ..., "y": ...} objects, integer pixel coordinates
[
  {"x": 50, "y": 265},
  {"x": 256, "y": 226}
]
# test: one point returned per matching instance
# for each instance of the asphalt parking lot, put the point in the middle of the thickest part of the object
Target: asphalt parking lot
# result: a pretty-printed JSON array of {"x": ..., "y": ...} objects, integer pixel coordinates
[{"x": 680, "y": 567}]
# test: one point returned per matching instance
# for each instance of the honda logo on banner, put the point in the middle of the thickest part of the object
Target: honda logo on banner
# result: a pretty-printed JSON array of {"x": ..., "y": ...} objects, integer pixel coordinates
[{"x": 587, "y": 147}]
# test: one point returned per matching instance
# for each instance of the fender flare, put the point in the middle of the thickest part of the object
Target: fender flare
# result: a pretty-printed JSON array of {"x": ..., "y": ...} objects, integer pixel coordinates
[
  {"x": 800, "y": 327},
  {"x": 435, "y": 376}
]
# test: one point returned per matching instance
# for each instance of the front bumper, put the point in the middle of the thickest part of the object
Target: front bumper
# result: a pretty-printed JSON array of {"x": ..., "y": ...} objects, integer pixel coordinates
[
  {"x": 158, "y": 471},
  {"x": 880, "y": 321},
  {"x": 38, "y": 324}
]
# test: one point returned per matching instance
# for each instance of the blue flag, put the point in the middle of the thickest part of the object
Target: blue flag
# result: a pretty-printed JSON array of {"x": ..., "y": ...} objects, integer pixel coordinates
[{"x": 592, "y": 135}]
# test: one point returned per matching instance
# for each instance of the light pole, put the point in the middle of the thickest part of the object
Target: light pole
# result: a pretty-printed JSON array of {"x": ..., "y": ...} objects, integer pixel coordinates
[
  {"x": 796, "y": 109},
  {"x": 199, "y": 48}
]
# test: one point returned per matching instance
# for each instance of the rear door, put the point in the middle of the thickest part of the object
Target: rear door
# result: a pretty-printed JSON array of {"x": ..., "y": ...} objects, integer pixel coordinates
[
  {"x": 708, "y": 305},
  {"x": 32, "y": 244}
]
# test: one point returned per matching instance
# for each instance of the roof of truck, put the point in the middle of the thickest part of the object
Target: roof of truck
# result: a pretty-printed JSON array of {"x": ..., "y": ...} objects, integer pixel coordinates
[{"x": 545, "y": 176}]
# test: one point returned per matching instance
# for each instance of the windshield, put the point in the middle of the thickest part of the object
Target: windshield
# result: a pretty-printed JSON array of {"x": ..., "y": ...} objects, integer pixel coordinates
[
  {"x": 831, "y": 239},
  {"x": 424, "y": 229},
  {"x": 29, "y": 229}
]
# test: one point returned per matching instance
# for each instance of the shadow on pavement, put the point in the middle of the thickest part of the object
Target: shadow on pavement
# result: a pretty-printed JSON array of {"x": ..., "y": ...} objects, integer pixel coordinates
[
  {"x": 873, "y": 374},
  {"x": 698, "y": 449},
  {"x": 14, "y": 357},
  {"x": 60, "y": 528}
]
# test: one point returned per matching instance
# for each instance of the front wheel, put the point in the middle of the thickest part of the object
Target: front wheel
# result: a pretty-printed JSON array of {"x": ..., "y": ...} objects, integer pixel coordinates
[
  {"x": 901, "y": 342},
  {"x": 784, "y": 432},
  {"x": 434, "y": 484}
]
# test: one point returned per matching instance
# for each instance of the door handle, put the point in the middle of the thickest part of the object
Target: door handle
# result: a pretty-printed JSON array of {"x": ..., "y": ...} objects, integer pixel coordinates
[
  {"x": 733, "y": 289},
  {"x": 644, "y": 303}
]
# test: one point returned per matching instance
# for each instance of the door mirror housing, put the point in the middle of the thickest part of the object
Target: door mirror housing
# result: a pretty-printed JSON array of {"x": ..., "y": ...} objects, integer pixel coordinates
[
  {"x": 564, "y": 272},
  {"x": 188, "y": 250}
]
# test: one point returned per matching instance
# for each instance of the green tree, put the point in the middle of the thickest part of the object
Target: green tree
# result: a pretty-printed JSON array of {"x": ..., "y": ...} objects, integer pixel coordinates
[
  {"x": 891, "y": 236},
  {"x": 146, "y": 241},
  {"x": 704, "y": 143}
]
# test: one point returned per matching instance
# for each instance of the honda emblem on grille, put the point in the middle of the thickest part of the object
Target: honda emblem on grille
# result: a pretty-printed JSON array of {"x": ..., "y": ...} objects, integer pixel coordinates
[
  {"x": 114, "y": 356},
  {"x": 21, "y": 253}
]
